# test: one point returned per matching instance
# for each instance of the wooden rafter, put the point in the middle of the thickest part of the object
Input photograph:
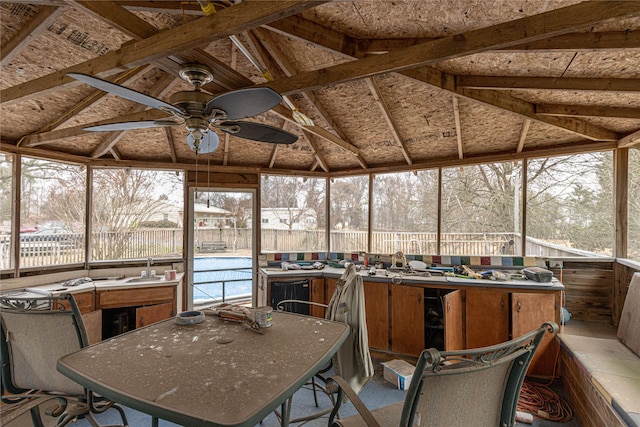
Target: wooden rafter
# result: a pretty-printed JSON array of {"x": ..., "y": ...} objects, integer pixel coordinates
[
  {"x": 386, "y": 115},
  {"x": 316, "y": 151},
  {"x": 630, "y": 140},
  {"x": 206, "y": 29},
  {"x": 523, "y": 134},
  {"x": 287, "y": 68},
  {"x": 529, "y": 29},
  {"x": 43, "y": 19},
  {"x": 331, "y": 40},
  {"x": 456, "y": 118},
  {"x": 58, "y": 134},
  {"x": 172, "y": 145},
  {"x": 92, "y": 98},
  {"x": 549, "y": 83},
  {"x": 159, "y": 88},
  {"x": 587, "y": 111}
]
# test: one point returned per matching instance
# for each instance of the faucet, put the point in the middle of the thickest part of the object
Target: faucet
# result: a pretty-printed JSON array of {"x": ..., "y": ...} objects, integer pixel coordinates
[{"x": 149, "y": 262}]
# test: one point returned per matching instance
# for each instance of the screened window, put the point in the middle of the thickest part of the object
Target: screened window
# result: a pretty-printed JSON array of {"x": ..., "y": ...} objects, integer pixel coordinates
[
  {"x": 633, "y": 213},
  {"x": 405, "y": 213},
  {"x": 349, "y": 214},
  {"x": 52, "y": 213},
  {"x": 570, "y": 209},
  {"x": 481, "y": 209},
  {"x": 293, "y": 214},
  {"x": 6, "y": 210},
  {"x": 129, "y": 211}
]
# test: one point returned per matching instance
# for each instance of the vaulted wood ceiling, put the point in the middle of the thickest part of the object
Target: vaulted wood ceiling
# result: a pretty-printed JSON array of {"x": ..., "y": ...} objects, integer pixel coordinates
[{"x": 370, "y": 85}]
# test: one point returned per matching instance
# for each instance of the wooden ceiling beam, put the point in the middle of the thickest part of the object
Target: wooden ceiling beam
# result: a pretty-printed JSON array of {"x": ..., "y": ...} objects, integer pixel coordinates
[
  {"x": 92, "y": 98},
  {"x": 232, "y": 20},
  {"x": 56, "y": 135},
  {"x": 588, "y": 111},
  {"x": 316, "y": 151},
  {"x": 630, "y": 140},
  {"x": 526, "y": 123},
  {"x": 528, "y": 29},
  {"x": 591, "y": 41},
  {"x": 281, "y": 62},
  {"x": 159, "y": 88},
  {"x": 437, "y": 78},
  {"x": 527, "y": 109},
  {"x": 386, "y": 115},
  {"x": 548, "y": 83},
  {"x": 172, "y": 145},
  {"x": 310, "y": 32},
  {"x": 456, "y": 118},
  {"x": 44, "y": 18}
]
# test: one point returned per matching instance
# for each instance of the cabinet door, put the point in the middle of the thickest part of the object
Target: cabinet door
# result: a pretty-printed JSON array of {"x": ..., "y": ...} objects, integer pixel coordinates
[
  {"x": 529, "y": 311},
  {"x": 376, "y": 301},
  {"x": 93, "y": 325},
  {"x": 453, "y": 313},
  {"x": 153, "y": 313},
  {"x": 330, "y": 289},
  {"x": 407, "y": 319},
  {"x": 317, "y": 295},
  {"x": 487, "y": 317}
]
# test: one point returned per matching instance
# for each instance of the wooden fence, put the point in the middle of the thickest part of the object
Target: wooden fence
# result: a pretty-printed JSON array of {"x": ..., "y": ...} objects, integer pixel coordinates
[{"x": 69, "y": 249}]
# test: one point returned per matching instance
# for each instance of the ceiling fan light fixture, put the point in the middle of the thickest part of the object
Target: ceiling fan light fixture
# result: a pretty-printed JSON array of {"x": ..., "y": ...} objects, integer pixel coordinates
[{"x": 207, "y": 143}]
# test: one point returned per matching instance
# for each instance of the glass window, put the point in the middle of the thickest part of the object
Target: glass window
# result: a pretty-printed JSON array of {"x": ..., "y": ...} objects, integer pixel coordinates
[
  {"x": 633, "y": 212},
  {"x": 129, "y": 210},
  {"x": 6, "y": 210},
  {"x": 349, "y": 214},
  {"x": 405, "y": 213},
  {"x": 481, "y": 209},
  {"x": 570, "y": 205},
  {"x": 293, "y": 212},
  {"x": 52, "y": 213}
]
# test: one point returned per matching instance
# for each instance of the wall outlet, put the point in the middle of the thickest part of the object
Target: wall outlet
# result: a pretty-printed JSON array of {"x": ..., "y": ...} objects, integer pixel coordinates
[{"x": 555, "y": 264}]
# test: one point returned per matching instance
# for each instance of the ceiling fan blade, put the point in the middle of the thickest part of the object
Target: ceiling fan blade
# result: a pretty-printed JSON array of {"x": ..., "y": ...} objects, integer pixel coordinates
[
  {"x": 208, "y": 144},
  {"x": 126, "y": 93},
  {"x": 258, "y": 132},
  {"x": 243, "y": 103},
  {"x": 130, "y": 125}
]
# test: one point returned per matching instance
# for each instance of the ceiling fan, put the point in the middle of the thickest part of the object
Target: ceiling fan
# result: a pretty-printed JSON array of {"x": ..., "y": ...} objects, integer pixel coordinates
[{"x": 199, "y": 112}]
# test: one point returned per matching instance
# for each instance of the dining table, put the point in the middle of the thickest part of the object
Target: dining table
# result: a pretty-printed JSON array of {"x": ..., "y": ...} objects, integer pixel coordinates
[{"x": 208, "y": 374}]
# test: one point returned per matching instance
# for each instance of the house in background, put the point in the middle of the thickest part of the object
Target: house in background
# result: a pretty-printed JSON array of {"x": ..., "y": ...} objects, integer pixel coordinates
[{"x": 288, "y": 218}]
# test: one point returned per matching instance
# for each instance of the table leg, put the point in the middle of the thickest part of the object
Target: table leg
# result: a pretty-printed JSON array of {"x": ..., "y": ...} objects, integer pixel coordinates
[
  {"x": 154, "y": 422},
  {"x": 286, "y": 412}
]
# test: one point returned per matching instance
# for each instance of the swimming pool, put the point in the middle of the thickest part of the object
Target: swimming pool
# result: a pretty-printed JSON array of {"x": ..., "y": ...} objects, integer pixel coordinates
[{"x": 214, "y": 275}]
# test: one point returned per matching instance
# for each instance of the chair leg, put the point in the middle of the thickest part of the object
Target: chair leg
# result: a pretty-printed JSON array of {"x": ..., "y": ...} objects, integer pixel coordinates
[
  {"x": 36, "y": 419},
  {"x": 314, "y": 387}
]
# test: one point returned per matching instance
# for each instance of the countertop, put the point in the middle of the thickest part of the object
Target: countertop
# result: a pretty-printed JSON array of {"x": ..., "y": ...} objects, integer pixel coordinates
[
  {"x": 73, "y": 286},
  {"x": 411, "y": 278}
]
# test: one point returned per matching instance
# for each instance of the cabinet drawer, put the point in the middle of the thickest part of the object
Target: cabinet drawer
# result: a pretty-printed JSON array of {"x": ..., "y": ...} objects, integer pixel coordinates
[{"x": 135, "y": 297}]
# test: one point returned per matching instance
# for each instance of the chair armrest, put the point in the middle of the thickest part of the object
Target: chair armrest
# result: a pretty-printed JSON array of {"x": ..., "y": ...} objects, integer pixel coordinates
[
  {"x": 280, "y": 306},
  {"x": 339, "y": 385}
]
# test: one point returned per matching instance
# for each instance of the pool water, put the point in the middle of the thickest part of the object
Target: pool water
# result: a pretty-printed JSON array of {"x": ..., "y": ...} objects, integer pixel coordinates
[{"x": 208, "y": 283}]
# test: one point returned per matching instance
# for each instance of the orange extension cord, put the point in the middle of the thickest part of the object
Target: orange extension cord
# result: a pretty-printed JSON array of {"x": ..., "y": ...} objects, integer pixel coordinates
[{"x": 539, "y": 400}]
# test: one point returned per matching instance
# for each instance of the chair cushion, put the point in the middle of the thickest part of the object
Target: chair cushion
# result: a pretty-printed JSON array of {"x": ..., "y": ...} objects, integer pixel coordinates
[{"x": 629, "y": 327}]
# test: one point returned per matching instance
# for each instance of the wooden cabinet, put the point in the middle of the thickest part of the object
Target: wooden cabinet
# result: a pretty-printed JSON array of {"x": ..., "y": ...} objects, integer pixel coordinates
[
  {"x": 125, "y": 309},
  {"x": 481, "y": 317},
  {"x": 317, "y": 294},
  {"x": 528, "y": 311},
  {"x": 487, "y": 317},
  {"x": 407, "y": 319},
  {"x": 376, "y": 301},
  {"x": 84, "y": 300}
]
